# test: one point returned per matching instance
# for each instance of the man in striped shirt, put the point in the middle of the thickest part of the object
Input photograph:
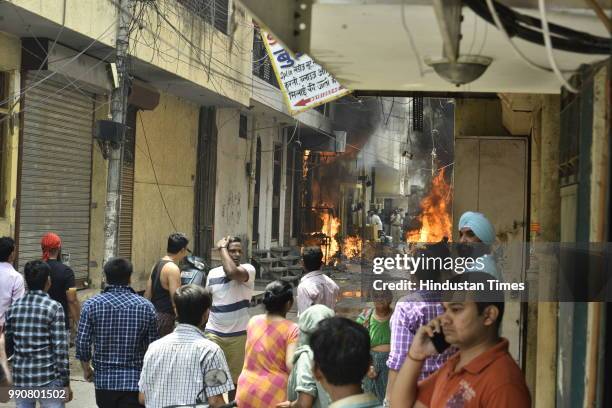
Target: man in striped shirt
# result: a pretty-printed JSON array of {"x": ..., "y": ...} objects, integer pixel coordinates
[
  {"x": 175, "y": 367},
  {"x": 231, "y": 286}
]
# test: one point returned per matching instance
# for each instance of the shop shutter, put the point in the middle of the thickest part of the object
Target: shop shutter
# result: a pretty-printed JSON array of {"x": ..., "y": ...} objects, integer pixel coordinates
[{"x": 55, "y": 170}]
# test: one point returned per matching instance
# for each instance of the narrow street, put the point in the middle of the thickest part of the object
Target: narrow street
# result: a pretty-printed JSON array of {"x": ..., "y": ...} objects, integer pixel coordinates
[{"x": 151, "y": 141}]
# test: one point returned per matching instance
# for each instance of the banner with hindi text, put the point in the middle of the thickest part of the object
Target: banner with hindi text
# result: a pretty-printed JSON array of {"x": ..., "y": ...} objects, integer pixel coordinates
[{"x": 303, "y": 82}]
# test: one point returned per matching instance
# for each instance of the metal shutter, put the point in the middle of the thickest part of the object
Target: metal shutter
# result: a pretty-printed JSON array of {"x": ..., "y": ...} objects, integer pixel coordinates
[
  {"x": 125, "y": 213},
  {"x": 55, "y": 176},
  {"x": 126, "y": 208}
]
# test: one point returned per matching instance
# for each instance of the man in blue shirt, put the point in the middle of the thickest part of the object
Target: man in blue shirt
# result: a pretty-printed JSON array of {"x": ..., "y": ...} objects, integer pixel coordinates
[{"x": 120, "y": 325}]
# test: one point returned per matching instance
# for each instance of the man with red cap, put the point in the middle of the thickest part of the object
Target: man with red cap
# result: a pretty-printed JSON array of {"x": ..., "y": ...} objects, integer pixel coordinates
[{"x": 63, "y": 288}]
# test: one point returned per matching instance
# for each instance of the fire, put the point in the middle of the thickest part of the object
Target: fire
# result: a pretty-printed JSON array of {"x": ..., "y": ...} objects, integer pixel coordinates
[
  {"x": 305, "y": 164},
  {"x": 435, "y": 218},
  {"x": 331, "y": 227},
  {"x": 351, "y": 247}
]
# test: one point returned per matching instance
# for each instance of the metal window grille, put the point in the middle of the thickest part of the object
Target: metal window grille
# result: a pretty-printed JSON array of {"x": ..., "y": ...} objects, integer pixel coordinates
[
  {"x": 215, "y": 12},
  {"x": 262, "y": 67},
  {"x": 417, "y": 114}
]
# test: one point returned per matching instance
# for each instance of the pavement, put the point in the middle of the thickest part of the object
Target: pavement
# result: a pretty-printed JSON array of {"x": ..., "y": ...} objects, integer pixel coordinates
[{"x": 349, "y": 305}]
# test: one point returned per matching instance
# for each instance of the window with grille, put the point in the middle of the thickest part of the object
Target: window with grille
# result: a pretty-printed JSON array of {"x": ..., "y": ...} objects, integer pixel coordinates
[
  {"x": 4, "y": 125},
  {"x": 262, "y": 67},
  {"x": 214, "y": 12}
]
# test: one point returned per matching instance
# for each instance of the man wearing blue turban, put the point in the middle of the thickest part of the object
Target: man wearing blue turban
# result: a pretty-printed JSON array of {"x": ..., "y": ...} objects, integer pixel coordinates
[{"x": 477, "y": 233}]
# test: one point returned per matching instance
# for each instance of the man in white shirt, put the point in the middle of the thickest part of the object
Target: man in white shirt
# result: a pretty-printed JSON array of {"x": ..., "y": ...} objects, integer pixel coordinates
[
  {"x": 11, "y": 289},
  {"x": 375, "y": 220},
  {"x": 315, "y": 288},
  {"x": 231, "y": 286},
  {"x": 175, "y": 366}
]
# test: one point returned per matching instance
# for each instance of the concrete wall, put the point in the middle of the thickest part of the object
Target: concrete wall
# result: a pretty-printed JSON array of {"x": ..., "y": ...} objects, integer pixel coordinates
[
  {"x": 157, "y": 43},
  {"x": 10, "y": 61},
  {"x": 270, "y": 133},
  {"x": 479, "y": 117},
  {"x": 232, "y": 183},
  {"x": 233, "y": 214},
  {"x": 168, "y": 143}
]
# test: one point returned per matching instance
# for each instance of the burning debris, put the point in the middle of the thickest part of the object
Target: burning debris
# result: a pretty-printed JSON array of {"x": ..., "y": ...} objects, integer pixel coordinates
[
  {"x": 331, "y": 228},
  {"x": 385, "y": 158},
  {"x": 435, "y": 216},
  {"x": 352, "y": 247}
]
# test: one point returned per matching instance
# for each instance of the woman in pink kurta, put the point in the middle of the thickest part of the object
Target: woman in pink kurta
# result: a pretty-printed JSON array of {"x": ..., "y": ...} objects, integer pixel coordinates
[{"x": 271, "y": 342}]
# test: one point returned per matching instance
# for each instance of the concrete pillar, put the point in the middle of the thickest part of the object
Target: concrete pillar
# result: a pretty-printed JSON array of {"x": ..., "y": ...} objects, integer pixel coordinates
[
  {"x": 597, "y": 232},
  {"x": 549, "y": 214},
  {"x": 532, "y": 274},
  {"x": 252, "y": 146},
  {"x": 285, "y": 134}
]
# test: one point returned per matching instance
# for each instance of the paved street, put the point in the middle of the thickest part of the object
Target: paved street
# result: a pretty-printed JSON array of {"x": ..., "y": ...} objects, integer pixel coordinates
[{"x": 348, "y": 306}]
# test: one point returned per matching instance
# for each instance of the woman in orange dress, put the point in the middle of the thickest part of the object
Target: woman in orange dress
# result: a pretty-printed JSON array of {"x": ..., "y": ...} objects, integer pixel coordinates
[{"x": 271, "y": 342}]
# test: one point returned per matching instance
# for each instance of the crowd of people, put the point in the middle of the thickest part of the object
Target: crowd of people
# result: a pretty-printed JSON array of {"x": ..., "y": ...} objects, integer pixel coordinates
[{"x": 159, "y": 350}]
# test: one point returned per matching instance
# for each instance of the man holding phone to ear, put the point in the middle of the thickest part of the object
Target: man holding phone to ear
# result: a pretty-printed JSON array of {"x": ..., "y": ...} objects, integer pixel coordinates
[{"x": 481, "y": 374}]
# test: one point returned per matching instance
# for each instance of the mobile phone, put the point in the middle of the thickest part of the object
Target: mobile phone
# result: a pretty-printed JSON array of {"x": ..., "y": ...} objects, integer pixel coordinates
[{"x": 438, "y": 341}]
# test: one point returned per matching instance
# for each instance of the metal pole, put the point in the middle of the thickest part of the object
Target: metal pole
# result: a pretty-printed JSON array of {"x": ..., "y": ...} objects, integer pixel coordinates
[{"x": 118, "y": 112}]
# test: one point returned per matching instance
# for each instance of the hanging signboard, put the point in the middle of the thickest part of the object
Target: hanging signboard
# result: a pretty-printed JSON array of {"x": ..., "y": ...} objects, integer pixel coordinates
[{"x": 303, "y": 82}]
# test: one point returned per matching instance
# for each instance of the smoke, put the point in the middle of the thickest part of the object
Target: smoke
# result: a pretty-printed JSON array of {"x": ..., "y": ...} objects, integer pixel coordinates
[{"x": 381, "y": 142}]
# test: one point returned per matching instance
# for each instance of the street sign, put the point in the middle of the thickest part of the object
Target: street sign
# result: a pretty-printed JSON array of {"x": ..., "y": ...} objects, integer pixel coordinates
[{"x": 303, "y": 82}]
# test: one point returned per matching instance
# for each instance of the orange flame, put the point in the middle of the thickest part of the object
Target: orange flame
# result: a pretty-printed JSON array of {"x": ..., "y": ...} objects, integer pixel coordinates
[
  {"x": 331, "y": 227},
  {"x": 351, "y": 247},
  {"x": 435, "y": 218},
  {"x": 305, "y": 164}
]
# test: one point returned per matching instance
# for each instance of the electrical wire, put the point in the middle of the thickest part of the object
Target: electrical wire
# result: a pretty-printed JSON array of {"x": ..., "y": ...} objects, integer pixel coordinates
[
  {"x": 413, "y": 46},
  {"x": 515, "y": 48},
  {"x": 529, "y": 28},
  {"x": 144, "y": 133},
  {"x": 549, "y": 51},
  {"x": 70, "y": 61},
  {"x": 70, "y": 83},
  {"x": 288, "y": 143}
]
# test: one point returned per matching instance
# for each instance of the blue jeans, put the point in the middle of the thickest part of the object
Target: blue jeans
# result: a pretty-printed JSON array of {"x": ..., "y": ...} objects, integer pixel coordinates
[{"x": 44, "y": 403}]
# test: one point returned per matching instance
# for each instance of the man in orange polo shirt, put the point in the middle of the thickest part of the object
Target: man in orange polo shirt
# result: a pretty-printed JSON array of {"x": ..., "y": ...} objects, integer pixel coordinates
[{"x": 481, "y": 374}]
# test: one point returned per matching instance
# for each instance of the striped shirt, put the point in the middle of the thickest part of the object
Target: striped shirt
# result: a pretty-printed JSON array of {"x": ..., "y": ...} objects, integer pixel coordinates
[
  {"x": 35, "y": 332},
  {"x": 175, "y": 365},
  {"x": 229, "y": 314}
]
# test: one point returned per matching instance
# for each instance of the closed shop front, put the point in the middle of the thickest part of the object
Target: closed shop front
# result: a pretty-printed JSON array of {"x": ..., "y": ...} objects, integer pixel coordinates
[{"x": 55, "y": 170}]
